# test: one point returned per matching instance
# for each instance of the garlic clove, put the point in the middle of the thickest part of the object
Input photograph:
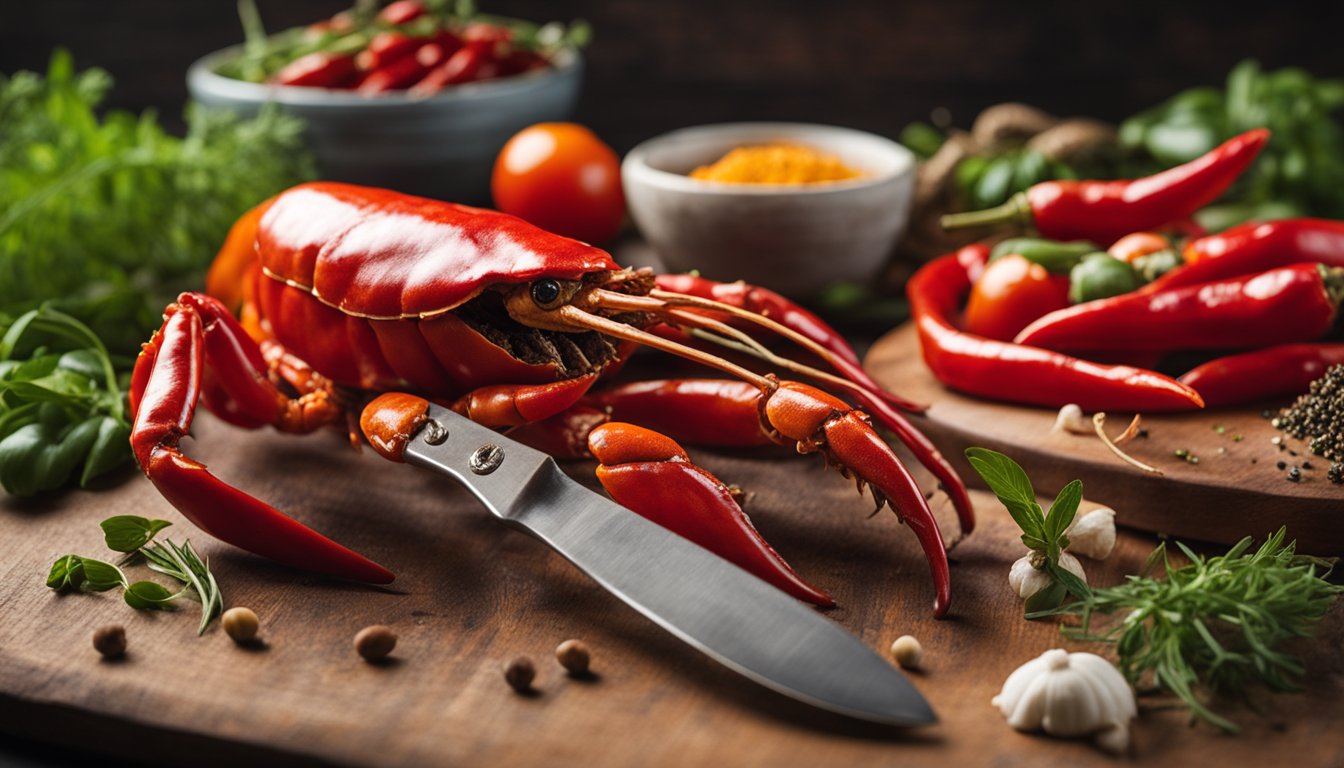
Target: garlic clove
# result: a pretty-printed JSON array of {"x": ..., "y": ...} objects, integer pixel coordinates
[
  {"x": 1026, "y": 580},
  {"x": 1070, "y": 694},
  {"x": 1071, "y": 419},
  {"x": 1093, "y": 534}
]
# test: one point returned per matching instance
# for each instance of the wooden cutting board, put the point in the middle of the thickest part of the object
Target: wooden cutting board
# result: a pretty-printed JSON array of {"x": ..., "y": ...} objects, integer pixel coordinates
[
  {"x": 472, "y": 594},
  {"x": 1236, "y": 489}
]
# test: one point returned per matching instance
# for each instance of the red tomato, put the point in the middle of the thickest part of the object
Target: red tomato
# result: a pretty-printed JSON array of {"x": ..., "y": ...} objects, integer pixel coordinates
[
  {"x": 1131, "y": 247},
  {"x": 1011, "y": 293},
  {"x": 562, "y": 178}
]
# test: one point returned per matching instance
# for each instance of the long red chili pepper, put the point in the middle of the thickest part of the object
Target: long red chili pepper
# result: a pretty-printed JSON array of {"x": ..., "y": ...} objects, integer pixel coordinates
[
  {"x": 1003, "y": 371},
  {"x": 318, "y": 70},
  {"x": 403, "y": 72},
  {"x": 1254, "y": 247},
  {"x": 1105, "y": 211},
  {"x": 461, "y": 67},
  {"x": 385, "y": 48},
  {"x": 1294, "y": 303},
  {"x": 1280, "y": 371}
]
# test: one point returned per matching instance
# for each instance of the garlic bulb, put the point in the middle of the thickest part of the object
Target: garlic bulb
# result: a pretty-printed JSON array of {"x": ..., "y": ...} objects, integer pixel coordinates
[
  {"x": 1070, "y": 694},
  {"x": 1071, "y": 419},
  {"x": 1026, "y": 580},
  {"x": 1093, "y": 534}
]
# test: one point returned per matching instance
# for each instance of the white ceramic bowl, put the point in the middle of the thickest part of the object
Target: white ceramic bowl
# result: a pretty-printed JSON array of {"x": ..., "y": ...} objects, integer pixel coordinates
[
  {"x": 795, "y": 239},
  {"x": 441, "y": 146}
]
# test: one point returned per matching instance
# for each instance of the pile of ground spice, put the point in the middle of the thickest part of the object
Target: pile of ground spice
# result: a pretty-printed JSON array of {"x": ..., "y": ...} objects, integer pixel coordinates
[
  {"x": 1318, "y": 418},
  {"x": 776, "y": 164}
]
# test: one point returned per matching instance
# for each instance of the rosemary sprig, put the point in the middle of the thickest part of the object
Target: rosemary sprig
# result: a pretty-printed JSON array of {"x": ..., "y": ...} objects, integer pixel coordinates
[
  {"x": 1213, "y": 626},
  {"x": 182, "y": 563}
]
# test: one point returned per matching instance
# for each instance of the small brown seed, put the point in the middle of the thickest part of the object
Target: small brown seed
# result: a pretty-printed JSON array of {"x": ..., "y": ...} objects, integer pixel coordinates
[
  {"x": 375, "y": 642},
  {"x": 240, "y": 623},
  {"x": 519, "y": 674},
  {"x": 110, "y": 641},
  {"x": 573, "y": 656}
]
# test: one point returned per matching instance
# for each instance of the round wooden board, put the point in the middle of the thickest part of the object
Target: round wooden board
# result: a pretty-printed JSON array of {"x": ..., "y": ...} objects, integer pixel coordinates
[{"x": 1236, "y": 489}]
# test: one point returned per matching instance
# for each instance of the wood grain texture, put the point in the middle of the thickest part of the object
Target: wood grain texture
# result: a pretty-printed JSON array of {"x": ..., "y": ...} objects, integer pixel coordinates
[
  {"x": 472, "y": 594},
  {"x": 1236, "y": 489}
]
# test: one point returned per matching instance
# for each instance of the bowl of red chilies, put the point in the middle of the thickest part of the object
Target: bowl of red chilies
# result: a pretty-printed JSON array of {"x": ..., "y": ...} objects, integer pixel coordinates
[
  {"x": 1122, "y": 303},
  {"x": 417, "y": 100}
]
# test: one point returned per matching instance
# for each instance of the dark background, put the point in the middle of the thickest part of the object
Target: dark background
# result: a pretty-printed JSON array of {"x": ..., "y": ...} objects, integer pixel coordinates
[{"x": 875, "y": 65}]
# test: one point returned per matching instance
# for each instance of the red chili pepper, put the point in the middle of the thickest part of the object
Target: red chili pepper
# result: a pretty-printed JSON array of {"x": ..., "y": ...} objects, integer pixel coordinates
[
  {"x": 461, "y": 67},
  {"x": 1004, "y": 371},
  {"x": 385, "y": 48},
  {"x": 1281, "y": 371},
  {"x": 318, "y": 70},
  {"x": 1254, "y": 247},
  {"x": 1294, "y": 303},
  {"x": 1105, "y": 211},
  {"x": 402, "y": 12},
  {"x": 395, "y": 76}
]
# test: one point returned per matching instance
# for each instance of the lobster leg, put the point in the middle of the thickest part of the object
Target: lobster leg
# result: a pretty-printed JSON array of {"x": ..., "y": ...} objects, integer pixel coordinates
[
  {"x": 199, "y": 339},
  {"x": 650, "y": 474}
]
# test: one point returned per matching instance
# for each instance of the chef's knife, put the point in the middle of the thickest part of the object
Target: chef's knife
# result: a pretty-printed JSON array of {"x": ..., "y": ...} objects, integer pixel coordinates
[{"x": 716, "y": 607}]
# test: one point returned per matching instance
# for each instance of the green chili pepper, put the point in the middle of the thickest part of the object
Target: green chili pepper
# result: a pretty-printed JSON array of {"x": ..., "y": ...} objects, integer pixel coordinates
[
  {"x": 994, "y": 185},
  {"x": 1100, "y": 275},
  {"x": 1051, "y": 254}
]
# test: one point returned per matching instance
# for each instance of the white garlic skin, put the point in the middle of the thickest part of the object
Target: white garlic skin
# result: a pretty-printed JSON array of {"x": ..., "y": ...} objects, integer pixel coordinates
[
  {"x": 1071, "y": 419},
  {"x": 1027, "y": 581},
  {"x": 1093, "y": 534},
  {"x": 1070, "y": 694}
]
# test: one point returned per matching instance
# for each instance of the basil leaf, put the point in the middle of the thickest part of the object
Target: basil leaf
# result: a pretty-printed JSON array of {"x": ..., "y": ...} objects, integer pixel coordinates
[
  {"x": 127, "y": 533},
  {"x": 148, "y": 595},
  {"x": 1063, "y": 510},
  {"x": 1009, "y": 482},
  {"x": 1063, "y": 576},
  {"x": 100, "y": 576},
  {"x": 110, "y": 449},
  {"x": 66, "y": 573}
]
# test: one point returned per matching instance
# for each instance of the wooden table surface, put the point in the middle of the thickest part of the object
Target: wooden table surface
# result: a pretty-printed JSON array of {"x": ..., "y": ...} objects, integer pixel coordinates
[{"x": 472, "y": 594}]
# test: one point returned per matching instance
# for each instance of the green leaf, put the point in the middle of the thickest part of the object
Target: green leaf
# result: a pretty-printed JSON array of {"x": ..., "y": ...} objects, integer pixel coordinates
[
  {"x": 110, "y": 449},
  {"x": 66, "y": 573},
  {"x": 1063, "y": 510},
  {"x": 1046, "y": 600},
  {"x": 100, "y": 576},
  {"x": 1063, "y": 576},
  {"x": 1009, "y": 482},
  {"x": 147, "y": 595},
  {"x": 127, "y": 533}
]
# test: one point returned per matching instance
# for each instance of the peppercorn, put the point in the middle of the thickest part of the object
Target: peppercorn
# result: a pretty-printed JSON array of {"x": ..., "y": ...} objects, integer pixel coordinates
[
  {"x": 573, "y": 656},
  {"x": 519, "y": 674},
  {"x": 1282, "y": 465},
  {"x": 1318, "y": 416},
  {"x": 1295, "y": 475},
  {"x": 240, "y": 624},
  {"x": 1307, "y": 465},
  {"x": 110, "y": 641},
  {"x": 375, "y": 642},
  {"x": 1335, "y": 473}
]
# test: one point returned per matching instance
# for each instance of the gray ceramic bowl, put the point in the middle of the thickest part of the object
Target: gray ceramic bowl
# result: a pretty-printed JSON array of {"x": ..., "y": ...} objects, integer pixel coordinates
[
  {"x": 442, "y": 146},
  {"x": 793, "y": 238}
]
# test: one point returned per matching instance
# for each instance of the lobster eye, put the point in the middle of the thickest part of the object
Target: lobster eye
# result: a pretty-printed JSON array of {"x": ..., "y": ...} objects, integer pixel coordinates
[{"x": 546, "y": 293}]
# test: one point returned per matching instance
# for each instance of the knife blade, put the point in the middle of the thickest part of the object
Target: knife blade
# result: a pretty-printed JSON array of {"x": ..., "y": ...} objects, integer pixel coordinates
[{"x": 721, "y": 610}]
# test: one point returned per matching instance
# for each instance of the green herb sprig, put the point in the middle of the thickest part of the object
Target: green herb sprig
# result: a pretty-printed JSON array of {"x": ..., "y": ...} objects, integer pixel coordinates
[
  {"x": 134, "y": 536},
  {"x": 1044, "y": 534},
  {"x": 1215, "y": 625}
]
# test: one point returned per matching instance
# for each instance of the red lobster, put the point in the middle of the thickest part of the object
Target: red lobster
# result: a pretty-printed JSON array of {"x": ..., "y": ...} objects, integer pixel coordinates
[{"x": 347, "y": 291}]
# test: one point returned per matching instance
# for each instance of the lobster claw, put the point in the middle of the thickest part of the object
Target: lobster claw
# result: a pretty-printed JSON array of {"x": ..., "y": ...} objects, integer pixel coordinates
[{"x": 819, "y": 422}]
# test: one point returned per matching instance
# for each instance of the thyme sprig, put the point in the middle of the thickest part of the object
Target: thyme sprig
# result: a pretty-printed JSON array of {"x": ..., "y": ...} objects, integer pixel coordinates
[{"x": 1214, "y": 626}]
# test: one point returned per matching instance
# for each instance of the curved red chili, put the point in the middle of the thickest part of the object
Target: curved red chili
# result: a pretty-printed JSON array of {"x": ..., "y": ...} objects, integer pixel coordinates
[
  {"x": 1254, "y": 247},
  {"x": 1105, "y": 211},
  {"x": 318, "y": 70},
  {"x": 1281, "y": 371},
  {"x": 1294, "y": 303},
  {"x": 1011, "y": 372}
]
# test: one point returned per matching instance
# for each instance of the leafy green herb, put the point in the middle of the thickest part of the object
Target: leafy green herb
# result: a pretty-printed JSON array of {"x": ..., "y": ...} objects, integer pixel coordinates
[
  {"x": 1215, "y": 625},
  {"x": 1042, "y": 533},
  {"x": 134, "y": 535},
  {"x": 102, "y": 221},
  {"x": 127, "y": 533},
  {"x": 61, "y": 404}
]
